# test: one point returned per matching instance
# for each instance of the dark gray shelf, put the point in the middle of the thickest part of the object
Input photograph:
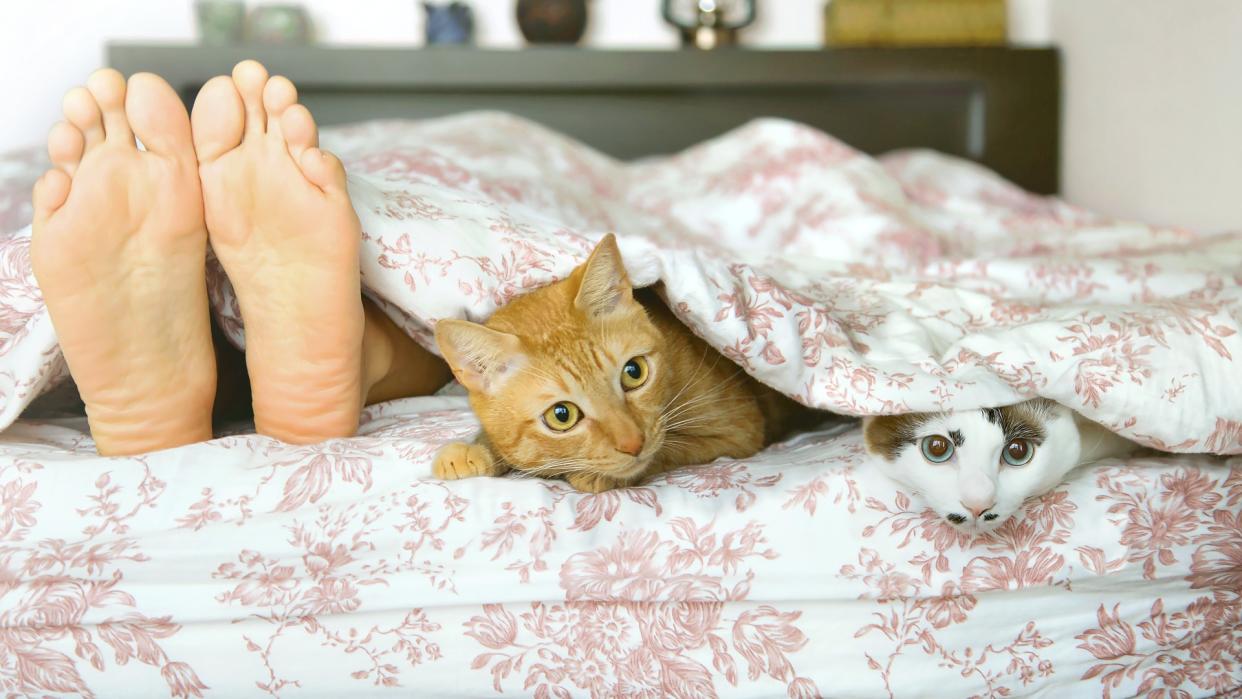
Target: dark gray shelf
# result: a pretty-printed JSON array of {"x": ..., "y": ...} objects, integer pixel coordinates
[{"x": 997, "y": 105}]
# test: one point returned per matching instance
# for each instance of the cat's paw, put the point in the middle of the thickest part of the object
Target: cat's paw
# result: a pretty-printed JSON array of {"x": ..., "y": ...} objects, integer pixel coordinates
[
  {"x": 592, "y": 482},
  {"x": 461, "y": 460}
]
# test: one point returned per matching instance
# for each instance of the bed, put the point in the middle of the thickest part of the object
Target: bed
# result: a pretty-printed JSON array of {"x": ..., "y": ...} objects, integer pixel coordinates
[{"x": 915, "y": 280}]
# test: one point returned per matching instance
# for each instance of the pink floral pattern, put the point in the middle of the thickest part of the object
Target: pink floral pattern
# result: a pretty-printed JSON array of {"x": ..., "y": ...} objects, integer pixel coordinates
[
  {"x": 610, "y": 638},
  {"x": 59, "y": 595},
  {"x": 760, "y": 576},
  {"x": 245, "y": 567}
]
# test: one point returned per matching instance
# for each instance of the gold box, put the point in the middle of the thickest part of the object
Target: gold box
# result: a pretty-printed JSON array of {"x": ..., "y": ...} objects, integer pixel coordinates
[{"x": 914, "y": 22}]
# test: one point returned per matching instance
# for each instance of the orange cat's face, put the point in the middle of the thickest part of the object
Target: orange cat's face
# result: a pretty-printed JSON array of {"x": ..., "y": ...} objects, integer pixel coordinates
[{"x": 567, "y": 378}]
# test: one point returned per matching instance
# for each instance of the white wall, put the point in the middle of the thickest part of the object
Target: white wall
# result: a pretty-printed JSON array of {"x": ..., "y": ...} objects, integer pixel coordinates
[
  {"x": 1153, "y": 109},
  {"x": 48, "y": 46},
  {"x": 36, "y": 76},
  {"x": 1153, "y": 98}
]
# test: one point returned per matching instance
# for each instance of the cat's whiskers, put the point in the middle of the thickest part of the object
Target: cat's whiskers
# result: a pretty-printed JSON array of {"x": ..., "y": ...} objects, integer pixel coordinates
[
  {"x": 684, "y": 426},
  {"x": 708, "y": 395},
  {"x": 677, "y": 410},
  {"x": 693, "y": 375},
  {"x": 719, "y": 408},
  {"x": 553, "y": 467},
  {"x": 716, "y": 415},
  {"x": 683, "y": 420},
  {"x": 694, "y": 378},
  {"x": 564, "y": 464},
  {"x": 674, "y": 442},
  {"x": 722, "y": 385}
]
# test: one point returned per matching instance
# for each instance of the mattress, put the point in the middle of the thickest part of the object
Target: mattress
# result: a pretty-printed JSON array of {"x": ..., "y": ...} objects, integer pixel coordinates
[{"x": 243, "y": 566}]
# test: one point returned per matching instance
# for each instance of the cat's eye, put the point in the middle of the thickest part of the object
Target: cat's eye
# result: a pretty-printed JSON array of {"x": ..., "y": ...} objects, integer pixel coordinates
[
  {"x": 562, "y": 416},
  {"x": 937, "y": 448},
  {"x": 634, "y": 373},
  {"x": 1018, "y": 452}
]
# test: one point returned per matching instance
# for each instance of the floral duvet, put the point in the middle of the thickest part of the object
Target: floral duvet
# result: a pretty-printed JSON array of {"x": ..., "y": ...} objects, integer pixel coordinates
[{"x": 243, "y": 566}]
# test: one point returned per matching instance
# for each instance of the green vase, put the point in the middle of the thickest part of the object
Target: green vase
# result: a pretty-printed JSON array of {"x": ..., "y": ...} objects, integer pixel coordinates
[{"x": 220, "y": 22}]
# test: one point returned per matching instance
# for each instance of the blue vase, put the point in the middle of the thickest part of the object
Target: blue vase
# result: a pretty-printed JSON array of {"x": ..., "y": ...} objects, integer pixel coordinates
[{"x": 451, "y": 23}]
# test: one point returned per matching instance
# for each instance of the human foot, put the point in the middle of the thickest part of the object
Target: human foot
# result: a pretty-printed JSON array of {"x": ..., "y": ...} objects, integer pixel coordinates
[
  {"x": 281, "y": 223},
  {"x": 118, "y": 249}
]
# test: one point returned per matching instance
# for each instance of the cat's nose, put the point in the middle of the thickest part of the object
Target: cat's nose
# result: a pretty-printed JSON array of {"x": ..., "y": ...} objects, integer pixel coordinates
[
  {"x": 979, "y": 510},
  {"x": 630, "y": 444}
]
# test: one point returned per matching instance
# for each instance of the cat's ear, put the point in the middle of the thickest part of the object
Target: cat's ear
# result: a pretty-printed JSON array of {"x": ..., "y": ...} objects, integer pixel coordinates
[
  {"x": 482, "y": 359},
  {"x": 605, "y": 287}
]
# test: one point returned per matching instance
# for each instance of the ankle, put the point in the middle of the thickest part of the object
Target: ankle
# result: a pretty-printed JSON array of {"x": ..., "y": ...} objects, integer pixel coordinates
[
  {"x": 394, "y": 365},
  {"x": 378, "y": 349}
]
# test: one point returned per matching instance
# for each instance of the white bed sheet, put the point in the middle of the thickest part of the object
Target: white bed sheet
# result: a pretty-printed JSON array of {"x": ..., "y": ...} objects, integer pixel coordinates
[{"x": 244, "y": 566}]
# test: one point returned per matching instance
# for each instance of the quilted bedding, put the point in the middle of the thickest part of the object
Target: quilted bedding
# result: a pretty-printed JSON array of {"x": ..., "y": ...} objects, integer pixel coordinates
[{"x": 913, "y": 282}]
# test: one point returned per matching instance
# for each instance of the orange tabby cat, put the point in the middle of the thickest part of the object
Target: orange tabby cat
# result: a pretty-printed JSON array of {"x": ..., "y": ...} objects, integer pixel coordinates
[{"x": 587, "y": 380}]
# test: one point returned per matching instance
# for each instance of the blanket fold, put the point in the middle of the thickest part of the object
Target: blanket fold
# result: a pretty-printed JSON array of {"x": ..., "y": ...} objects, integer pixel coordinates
[{"x": 912, "y": 283}]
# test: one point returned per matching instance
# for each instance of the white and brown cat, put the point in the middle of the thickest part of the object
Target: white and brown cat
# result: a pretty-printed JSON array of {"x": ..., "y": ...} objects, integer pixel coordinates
[
  {"x": 590, "y": 381},
  {"x": 976, "y": 467}
]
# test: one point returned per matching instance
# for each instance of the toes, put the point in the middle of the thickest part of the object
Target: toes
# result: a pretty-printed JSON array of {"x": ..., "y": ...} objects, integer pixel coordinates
[
  {"x": 82, "y": 111},
  {"x": 278, "y": 95},
  {"x": 323, "y": 169},
  {"x": 250, "y": 78},
  {"x": 65, "y": 145},
  {"x": 157, "y": 116},
  {"x": 460, "y": 460},
  {"x": 108, "y": 88},
  {"x": 50, "y": 192},
  {"x": 447, "y": 464},
  {"x": 218, "y": 119},
  {"x": 299, "y": 130}
]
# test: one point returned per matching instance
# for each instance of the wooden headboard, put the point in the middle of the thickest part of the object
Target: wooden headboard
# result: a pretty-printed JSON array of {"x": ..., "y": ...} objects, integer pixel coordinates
[{"x": 998, "y": 106}]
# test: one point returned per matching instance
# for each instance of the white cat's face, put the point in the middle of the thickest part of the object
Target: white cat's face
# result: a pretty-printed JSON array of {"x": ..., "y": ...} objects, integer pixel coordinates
[{"x": 975, "y": 468}]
